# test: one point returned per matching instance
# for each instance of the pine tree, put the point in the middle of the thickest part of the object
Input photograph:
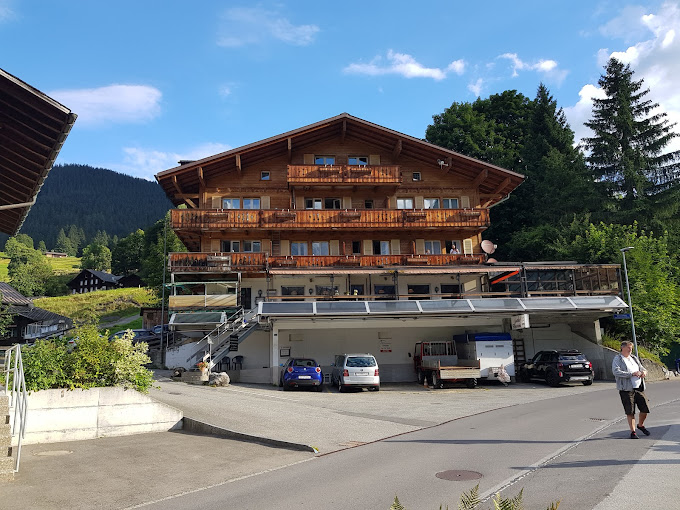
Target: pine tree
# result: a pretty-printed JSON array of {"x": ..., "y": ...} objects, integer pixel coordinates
[
  {"x": 630, "y": 135},
  {"x": 64, "y": 244},
  {"x": 42, "y": 247}
]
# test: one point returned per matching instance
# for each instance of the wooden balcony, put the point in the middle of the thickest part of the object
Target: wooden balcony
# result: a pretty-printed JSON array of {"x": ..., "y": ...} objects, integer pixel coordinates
[
  {"x": 372, "y": 175},
  {"x": 306, "y": 219},
  {"x": 258, "y": 262}
]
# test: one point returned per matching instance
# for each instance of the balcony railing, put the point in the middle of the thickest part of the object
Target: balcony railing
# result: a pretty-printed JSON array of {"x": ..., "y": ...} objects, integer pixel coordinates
[
  {"x": 305, "y": 219},
  {"x": 349, "y": 174},
  {"x": 254, "y": 262}
]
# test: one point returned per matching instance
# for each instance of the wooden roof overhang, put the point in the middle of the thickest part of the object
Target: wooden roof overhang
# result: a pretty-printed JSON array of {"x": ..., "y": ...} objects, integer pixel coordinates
[
  {"x": 182, "y": 183},
  {"x": 33, "y": 128}
]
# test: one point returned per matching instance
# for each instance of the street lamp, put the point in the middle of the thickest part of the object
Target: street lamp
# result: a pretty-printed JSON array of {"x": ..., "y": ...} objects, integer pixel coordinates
[{"x": 630, "y": 302}]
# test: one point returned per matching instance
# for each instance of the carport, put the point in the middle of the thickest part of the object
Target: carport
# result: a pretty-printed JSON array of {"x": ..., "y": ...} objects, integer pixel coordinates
[{"x": 389, "y": 329}]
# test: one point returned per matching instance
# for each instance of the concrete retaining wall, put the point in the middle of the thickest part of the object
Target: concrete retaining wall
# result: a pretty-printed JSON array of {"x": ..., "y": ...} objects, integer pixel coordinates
[
  {"x": 655, "y": 372},
  {"x": 63, "y": 415}
]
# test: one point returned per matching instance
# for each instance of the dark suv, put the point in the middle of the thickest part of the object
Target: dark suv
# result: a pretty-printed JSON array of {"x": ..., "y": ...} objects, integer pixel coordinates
[{"x": 555, "y": 367}]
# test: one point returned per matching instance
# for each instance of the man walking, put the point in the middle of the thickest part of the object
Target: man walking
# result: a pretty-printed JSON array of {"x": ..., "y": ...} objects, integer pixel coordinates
[{"x": 630, "y": 375}]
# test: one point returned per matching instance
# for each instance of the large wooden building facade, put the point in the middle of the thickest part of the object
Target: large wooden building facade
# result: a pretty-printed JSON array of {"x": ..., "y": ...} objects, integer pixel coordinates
[{"x": 345, "y": 210}]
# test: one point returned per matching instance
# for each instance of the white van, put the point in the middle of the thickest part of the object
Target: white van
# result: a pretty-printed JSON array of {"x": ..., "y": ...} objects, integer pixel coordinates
[{"x": 355, "y": 371}]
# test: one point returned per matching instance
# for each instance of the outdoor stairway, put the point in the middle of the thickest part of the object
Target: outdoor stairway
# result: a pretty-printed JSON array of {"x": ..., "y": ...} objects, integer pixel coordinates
[{"x": 6, "y": 459}]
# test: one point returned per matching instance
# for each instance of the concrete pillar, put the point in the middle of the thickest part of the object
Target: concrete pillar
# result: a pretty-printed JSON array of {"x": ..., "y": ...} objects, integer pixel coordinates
[{"x": 274, "y": 355}]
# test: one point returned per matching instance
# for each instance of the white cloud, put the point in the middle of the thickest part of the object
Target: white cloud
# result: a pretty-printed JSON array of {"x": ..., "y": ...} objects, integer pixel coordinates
[
  {"x": 6, "y": 12},
  {"x": 549, "y": 68},
  {"x": 146, "y": 163},
  {"x": 476, "y": 87},
  {"x": 581, "y": 111},
  {"x": 653, "y": 56},
  {"x": 243, "y": 26},
  {"x": 120, "y": 104},
  {"x": 404, "y": 65},
  {"x": 225, "y": 90}
]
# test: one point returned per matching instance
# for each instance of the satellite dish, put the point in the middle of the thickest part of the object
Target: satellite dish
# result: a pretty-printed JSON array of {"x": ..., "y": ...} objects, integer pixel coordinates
[
  {"x": 491, "y": 261},
  {"x": 488, "y": 247}
]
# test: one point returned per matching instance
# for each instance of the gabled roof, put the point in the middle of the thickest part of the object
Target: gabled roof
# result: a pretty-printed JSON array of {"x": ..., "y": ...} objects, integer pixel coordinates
[
  {"x": 185, "y": 179},
  {"x": 35, "y": 314},
  {"x": 106, "y": 277},
  {"x": 33, "y": 128},
  {"x": 11, "y": 296}
]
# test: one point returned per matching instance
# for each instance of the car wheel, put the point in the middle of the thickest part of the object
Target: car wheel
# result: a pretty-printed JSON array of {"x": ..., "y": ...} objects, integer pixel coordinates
[
  {"x": 552, "y": 379},
  {"x": 421, "y": 376},
  {"x": 341, "y": 387},
  {"x": 286, "y": 387},
  {"x": 376, "y": 388},
  {"x": 435, "y": 380},
  {"x": 587, "y": 383},
  {"x": 319, "y": 388},
  {"x": 524, "y": 376},
  {"x": 471, "y": 383}
]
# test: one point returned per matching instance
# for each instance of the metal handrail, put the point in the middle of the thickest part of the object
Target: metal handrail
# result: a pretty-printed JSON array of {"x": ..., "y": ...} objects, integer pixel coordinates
[{"x": 18, "y": 395}]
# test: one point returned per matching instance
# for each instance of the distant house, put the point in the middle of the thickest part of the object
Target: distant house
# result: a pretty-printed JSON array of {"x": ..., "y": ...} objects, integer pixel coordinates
[
  {"x": 55, "y": 254},
  {"x": 30, "y": 322},
  {"x": 89, "y": 280}
]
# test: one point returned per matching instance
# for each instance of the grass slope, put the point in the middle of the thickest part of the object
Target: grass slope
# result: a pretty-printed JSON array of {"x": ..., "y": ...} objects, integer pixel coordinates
[{"x": 67, "y": 266}]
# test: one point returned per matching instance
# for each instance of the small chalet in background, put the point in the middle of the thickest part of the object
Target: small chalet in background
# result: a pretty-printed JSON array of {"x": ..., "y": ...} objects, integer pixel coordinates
[
  {"x": 89, "y": 280},
  {"x": 30, "y": 322}
]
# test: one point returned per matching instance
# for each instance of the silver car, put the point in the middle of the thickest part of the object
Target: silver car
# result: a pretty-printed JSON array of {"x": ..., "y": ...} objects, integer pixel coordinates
[{"x": 355, "y": 371}]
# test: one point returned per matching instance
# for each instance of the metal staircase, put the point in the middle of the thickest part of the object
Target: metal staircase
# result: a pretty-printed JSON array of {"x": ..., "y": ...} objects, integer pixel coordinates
[{"x": 226, "y": 337}]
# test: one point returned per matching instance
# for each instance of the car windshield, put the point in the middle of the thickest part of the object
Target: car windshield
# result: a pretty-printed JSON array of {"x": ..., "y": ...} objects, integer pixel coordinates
[
  {"x": 361, "y": 361},
  {"x": 572, "y": 357},
  {"x": 304, "y": 363}
]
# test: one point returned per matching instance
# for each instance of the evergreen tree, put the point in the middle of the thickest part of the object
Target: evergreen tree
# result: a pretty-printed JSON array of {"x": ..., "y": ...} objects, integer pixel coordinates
[
  {"x": 64, "y": 244},
  {"x": 77, "y": 238},
  {"x": 28, "y": 269},
  {"x": 41, "y": 247},
  {"x": 25, "y": 239},
  {"x": 126, "y": 256},
  {"x": 101, "y": 237},
  {"x": 626, "y": 150}
]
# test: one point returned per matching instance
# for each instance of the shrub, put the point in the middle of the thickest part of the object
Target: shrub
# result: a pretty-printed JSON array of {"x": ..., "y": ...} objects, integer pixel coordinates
[{"x": 94, "y": 362}]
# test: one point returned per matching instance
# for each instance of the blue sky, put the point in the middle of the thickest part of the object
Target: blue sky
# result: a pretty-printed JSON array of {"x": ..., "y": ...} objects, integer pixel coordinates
[{"x": 157, "y": 81}]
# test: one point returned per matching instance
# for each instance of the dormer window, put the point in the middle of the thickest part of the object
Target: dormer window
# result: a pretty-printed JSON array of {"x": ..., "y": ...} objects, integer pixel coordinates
[
  {"x": 417, "y": 176},
  {"x": 265, "y": 175}
]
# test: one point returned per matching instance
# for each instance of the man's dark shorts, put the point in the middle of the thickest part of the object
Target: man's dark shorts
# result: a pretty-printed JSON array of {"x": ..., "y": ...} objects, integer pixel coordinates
[{"x": 630, "y": 399}]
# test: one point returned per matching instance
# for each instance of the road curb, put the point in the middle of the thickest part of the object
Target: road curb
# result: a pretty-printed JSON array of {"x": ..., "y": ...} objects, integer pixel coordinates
[{"x": 198, "y": 427}]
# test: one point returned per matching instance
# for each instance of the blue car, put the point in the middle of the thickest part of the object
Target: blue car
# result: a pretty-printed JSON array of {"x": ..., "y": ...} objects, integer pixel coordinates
[{"x": 301, "y": 372}]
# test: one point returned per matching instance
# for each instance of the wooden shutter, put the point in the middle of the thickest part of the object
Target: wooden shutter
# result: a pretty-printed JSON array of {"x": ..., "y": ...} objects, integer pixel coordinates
[
  {"x": 299, "y": 202},
  {"x": 467, "y": 246},
  {"x": 368, "y": 247},
  {"x": 266, "y": 246},
  {"x": 217, "y": 202},
  {"x": 285, "y": 247},
  {"x": 334, "y": 247},
  {"x": 265, "y": 203},
  {"x": 394, "y": 248},
  {"x": 464, "y": 202},
  {"x": 392, "y": 201},
  {"x": 308, "y": 159},
  {"x": 419, "y": 203},
  {"x": 374, "y": 159},
  {"x": 215, "y": 245},
  {"x": 346, "y": 202},
  {"x": 420, "y": 246}
]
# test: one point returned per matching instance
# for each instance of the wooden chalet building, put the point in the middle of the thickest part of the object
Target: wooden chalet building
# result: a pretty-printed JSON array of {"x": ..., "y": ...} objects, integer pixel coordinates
[
  {"x": 347, "y": 216},
  {"x": 90, "y": 280}
]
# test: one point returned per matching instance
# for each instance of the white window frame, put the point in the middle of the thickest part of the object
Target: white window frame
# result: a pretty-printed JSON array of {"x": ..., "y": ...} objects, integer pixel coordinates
[
  {"x": 265, "y": 175},
  {"x": 434, "y": 247},
  {"x": 316, "y": 203},
  {"x": 417, "y": 176},
  {"x": 298, "y": 246},
  {"x": 319, "y": 247},
  {"x": 324, "y": 160},
  {"x": 252, "y": 246},
  {"x": 231, "y": 244},
  {"x": 357, "y": 160},
  {"x": 431, "y": 203},
  {"x": 402, "y": 203},
  {"x": 228, "y": 203},
  {"x": 334, "y": 200},
  {"x": 251, "y": 203},
  {"x": 451, "y": 202}
]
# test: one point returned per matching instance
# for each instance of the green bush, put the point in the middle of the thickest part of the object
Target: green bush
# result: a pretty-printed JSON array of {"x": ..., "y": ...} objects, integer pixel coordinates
[
  {"x": 614, "y": 342},
  {"x": 94, "y": 362}
]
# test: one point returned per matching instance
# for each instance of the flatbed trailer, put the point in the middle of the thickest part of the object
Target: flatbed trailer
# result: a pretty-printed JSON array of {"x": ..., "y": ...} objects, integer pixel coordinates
[{"x": 437, "y": 363}]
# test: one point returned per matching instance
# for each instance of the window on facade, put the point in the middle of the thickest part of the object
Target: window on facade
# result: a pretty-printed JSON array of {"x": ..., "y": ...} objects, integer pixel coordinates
[
  {"x": 453, "y": 247},
  {"x": 251, "y": 203},
  {"x": 450, "y": 203},
  {"x": 265, "y": 175},
  {"x": 381, "y": 247},
  {"x": 357, "y": 160},
  {"x": 324, "y": 160},
  {"x": 231, "y": 203},
  {"x": 313, "y": 203},
  {"x": 323, "y": 290},
  {"x": 431, "y": 203},
  {"x": 368, "y": 204},
  {"x": 417, "y": 176},
  {"x": 404, "y": 203},
  {"x": 414, "y": 290},
  {"x": 356, "y": 247},
  {"x": 331, "y": 203},
  {"x": 251, "y": 246},
  {"x": 231, "y": 246},
  {"x": 450, "y": 291},
  {"x": 292, "y": 291},
  {"x": 320, "y": 248},
  {"x": 433, "y": 247},
  {"x": 298, "y": 248}
]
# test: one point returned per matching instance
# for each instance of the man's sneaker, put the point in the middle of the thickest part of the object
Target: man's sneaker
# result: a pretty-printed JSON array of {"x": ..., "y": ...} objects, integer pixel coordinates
[
  {"x": 633, "y": 435},
  {"x": 644, "y": 430}
]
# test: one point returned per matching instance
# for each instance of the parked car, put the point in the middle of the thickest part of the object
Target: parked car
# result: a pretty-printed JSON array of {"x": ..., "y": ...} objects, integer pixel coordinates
[
  {"x": 301, "y": 372},
  {"x": 139, "y": 335},
  {"x": 157, "y": 330},
  {"x": 355, "y": 371},
  {"x": 558, "y": 366}
]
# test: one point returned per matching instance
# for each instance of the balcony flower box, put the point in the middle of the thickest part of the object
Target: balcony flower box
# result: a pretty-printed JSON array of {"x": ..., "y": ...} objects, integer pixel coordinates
[
  {"x": 415, "y": 215},
  {"x": 417, "y": 261},
  {"x": 350, "y": 215},
  {"x": 286, "y": 262},
  {"x": 349, "y": 262},
  {"x": 468, "y": 213},
  {"x": 284, "y": 215}
]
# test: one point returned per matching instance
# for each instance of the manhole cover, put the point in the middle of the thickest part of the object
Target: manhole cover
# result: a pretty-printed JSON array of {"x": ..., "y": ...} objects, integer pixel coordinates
[
  {"x": 598, "y": 419},
  {"x": 54, "y": 453},
  {"x": 458, "y": 475}
]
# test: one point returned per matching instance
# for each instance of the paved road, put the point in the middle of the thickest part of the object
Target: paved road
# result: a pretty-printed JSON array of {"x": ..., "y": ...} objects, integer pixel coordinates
[{"x": 557, "y": 449}]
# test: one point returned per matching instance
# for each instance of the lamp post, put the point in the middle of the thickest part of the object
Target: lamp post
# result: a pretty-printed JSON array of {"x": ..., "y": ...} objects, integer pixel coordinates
[{"x": 630, "y": 301}]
